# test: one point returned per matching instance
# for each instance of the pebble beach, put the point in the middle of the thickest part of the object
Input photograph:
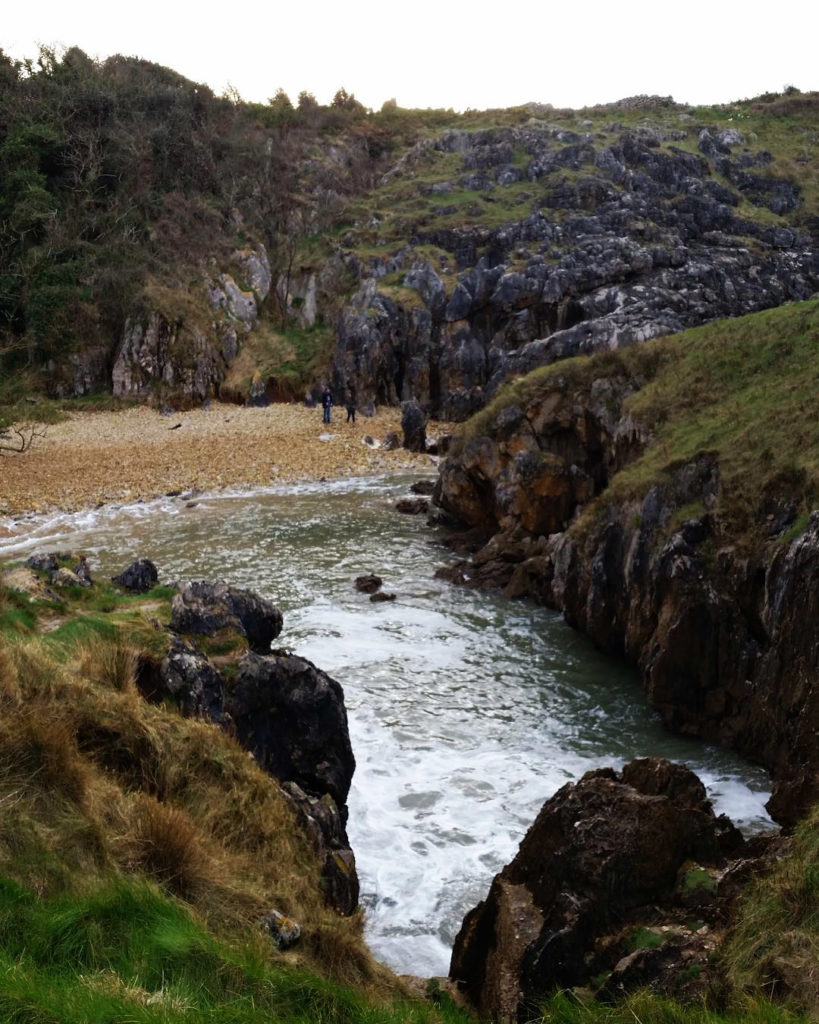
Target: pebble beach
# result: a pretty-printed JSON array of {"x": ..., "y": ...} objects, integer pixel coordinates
[{"x": 90, "y": 459}]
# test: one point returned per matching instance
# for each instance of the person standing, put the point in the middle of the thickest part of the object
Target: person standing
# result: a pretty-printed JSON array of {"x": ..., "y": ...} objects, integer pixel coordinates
[
  {"x": 327, "y": 402},
  {"x": 351, "y": 405}
]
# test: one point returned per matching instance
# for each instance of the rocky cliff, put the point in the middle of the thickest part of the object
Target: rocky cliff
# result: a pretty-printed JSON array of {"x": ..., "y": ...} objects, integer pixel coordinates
[
  {"x": 623, "y": 232},
  {"x": 594, "y": 492}
]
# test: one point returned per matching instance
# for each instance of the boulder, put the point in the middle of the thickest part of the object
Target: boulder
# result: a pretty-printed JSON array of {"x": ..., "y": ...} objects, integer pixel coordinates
[
  {"x": 139, "y": 577},
  {"x": 414, "y": 425},
  {"x": 207, "y": 608},
  {"x": 188, "y": 678},
  {"x": 412, "y": 506},
  {"x": 284, "y": 931},
  {"x": 368, "y": 584},
  {"x": 291, "y": 716},
  {"x": 605, "y": 850}
]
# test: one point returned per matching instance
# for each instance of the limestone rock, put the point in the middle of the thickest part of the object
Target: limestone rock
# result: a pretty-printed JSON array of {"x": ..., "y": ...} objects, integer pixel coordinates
[
  {"x": 284, "y": 930},
  {"x": 206, "y": 608},
  {"x": 599, "y": 853},
  {"x": 140, "y": 576},
  {"x": 413, "y": 425}
]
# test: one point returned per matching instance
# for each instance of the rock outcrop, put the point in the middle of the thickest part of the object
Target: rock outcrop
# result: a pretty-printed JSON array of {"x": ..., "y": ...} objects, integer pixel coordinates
[
  {"x": 208, "y": 608},
  {"x": 633, "y": 236},
  {"x": 723, "y": 634},
  {"x": 607, "y": 859},
  {"x": 286, "y": 712}
]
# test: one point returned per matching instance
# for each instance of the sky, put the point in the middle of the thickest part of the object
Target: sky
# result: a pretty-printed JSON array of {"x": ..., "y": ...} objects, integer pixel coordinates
[{"x": 430, "y": 53}]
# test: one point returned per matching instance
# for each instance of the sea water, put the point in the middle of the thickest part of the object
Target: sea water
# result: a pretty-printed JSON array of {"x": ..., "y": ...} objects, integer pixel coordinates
[{"x": 466, "y": 710}]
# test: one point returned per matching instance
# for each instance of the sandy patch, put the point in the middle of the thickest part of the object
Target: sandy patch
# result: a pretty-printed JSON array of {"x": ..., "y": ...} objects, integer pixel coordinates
[{"x": 94, "y": 458}]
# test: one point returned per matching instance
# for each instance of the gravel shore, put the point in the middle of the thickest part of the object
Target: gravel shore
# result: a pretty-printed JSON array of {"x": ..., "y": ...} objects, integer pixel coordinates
[{"x": 94, "y": 458}]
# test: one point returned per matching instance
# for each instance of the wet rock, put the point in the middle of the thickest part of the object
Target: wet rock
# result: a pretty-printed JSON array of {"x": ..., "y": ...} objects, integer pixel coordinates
[
  {"x": 45, "y": 562},
  {"x": 368, "y": 584},
  {"x": 207, "y": 608},
  {"x": 412, "y": 506},
  {"x": 423, "y": 487},
  {"x": 291, "y": 715},
  {"x": 605, "y": 850},
  {"x": 139, "y": 577},
  {"x": 381, "y": 596}
]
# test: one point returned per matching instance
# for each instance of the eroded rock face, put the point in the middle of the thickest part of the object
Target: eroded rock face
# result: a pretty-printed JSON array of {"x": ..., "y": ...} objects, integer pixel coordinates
[
  {"x": 642, "y": 240},
  {"x": 602, "y": 852},
  {"x": 207, "y": 608},
  {"x": 725, "y": 639},
  {"x": 291, "y": 715},
  {"x": 286, "y": 712}
]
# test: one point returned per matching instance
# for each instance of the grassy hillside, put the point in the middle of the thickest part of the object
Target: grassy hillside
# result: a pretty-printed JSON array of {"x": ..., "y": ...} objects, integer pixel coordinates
[
  {"x": 745, "y": 389},
  {"x": 139, "y": 850}
]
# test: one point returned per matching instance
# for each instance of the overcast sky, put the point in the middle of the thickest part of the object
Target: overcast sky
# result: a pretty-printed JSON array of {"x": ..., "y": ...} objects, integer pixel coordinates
[{"x": 429, "y": 53}]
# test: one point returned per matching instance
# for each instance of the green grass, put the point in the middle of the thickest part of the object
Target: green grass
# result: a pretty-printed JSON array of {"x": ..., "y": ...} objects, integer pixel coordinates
[
  {"x": 745, "y": 389},
  {"x": 644, "y": 1008},
  {"x": 128, "y": 952},
  {"x": 774, "y": 946}
]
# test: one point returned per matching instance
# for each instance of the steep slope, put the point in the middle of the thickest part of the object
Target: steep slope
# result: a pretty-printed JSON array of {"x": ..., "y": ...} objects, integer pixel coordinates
[
  {"x": 556, "y": 233},
  {"x": 663, "y": 499}
]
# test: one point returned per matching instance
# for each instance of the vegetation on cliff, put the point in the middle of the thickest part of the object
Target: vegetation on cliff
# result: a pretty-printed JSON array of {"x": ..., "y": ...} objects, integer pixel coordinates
[
  {"x": 140, "y": 849},
  {"x": 743, "y": 390},
  {"x": 133, "y": 204}
]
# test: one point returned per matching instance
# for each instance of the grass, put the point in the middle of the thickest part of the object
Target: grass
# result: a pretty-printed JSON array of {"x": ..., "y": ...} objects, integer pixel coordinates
[
  {"x": 139, "y": 849},
  {"x": 774, "y": 946},
  {"x": 128, "y": 952},
  {"x": 644, "y": 1008},
  {"x": 745, "y": 389}
]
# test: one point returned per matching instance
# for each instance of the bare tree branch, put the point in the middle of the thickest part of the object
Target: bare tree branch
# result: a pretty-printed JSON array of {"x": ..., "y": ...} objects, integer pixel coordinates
[{"x": 19, "y": 439}]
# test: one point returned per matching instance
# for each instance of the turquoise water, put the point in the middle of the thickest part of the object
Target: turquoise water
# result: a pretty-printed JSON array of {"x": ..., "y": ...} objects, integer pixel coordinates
[{"x": 466, "y": 710}]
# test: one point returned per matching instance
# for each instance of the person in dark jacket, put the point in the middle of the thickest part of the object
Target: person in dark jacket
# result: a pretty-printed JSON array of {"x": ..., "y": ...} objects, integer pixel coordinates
[
  {"x": 350, "y": 404},
  {"x": 327, "y": 402}
]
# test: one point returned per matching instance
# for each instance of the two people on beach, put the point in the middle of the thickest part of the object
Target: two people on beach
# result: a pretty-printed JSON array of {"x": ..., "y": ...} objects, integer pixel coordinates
[{"x": 327, "y": 404}]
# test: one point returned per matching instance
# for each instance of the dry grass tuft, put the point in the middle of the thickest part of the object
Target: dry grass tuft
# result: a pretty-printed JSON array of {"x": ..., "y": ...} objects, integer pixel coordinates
[
  {"x": 166, "y": 845},
  {"x": 109, "y": 663}
]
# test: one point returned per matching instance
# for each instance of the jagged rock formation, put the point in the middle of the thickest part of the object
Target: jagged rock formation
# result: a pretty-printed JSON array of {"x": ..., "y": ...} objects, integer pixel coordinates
[
  {"x": 607, "y": 857},
  {"x": 187, "y": 353},
  {"x": 633, "y": 236},
  {"x": 722, "y": 632},
  {"x": 286, "y": 712}
]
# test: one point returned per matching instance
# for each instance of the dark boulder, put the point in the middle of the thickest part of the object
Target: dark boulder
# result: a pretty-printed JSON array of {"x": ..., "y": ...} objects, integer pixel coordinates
[
  {"x": 414, "y": 426},
  {"x": 603, "y": 851},
  {"x": 208, "y": 608},
  {"x": 381, "y": 597},
  {"x": 412, "y": 506},
  {"x": 140, "y": 576},
  {"x": 291, "y": 716},
  {"x": 425, "y": 487},
  {"x": 187, "y": 676},
  {"x": 368, "y": 584}
]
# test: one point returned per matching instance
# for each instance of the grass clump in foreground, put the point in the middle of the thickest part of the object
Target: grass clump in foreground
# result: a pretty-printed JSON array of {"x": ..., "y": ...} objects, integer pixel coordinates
[{"x": 128, "y": 952}]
